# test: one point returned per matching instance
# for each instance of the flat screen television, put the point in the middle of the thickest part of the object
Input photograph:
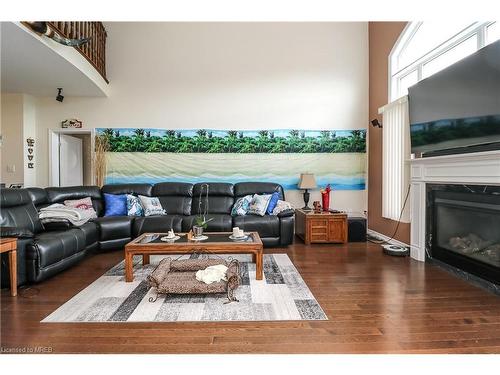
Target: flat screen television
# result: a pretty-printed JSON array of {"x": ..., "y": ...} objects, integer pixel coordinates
[{"x": 457, "y": 110}]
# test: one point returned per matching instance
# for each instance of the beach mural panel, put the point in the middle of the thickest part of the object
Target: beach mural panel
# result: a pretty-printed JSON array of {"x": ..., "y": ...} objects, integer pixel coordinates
[{"x": 336, "y": 157}]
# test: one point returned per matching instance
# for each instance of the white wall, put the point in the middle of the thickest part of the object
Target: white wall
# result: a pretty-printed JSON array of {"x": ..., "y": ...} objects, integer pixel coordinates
[
  {"x": 12, "y": 138},
  {"x": 29, "y": 131},
  {"x": 227, "y": 76},
  {"x": 18, "y": 122}
]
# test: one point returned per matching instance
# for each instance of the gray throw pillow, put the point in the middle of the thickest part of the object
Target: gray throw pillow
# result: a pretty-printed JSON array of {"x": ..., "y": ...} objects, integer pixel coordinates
[{"x": 152, "y": 206}]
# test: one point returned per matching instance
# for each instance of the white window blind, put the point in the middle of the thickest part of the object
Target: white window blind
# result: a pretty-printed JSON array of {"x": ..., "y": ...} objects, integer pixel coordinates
[{"x": 395, "y": 153}]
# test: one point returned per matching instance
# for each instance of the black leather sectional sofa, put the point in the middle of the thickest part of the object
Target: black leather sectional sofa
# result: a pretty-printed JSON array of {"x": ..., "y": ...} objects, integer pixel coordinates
[{"x": 44, "y": 251}]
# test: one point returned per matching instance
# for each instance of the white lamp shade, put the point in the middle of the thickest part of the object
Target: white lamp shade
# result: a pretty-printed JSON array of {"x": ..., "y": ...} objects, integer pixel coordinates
[{"x": 307, "y": 181}]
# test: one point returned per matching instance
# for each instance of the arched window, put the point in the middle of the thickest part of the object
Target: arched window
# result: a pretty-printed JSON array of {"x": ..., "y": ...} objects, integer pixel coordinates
[{"x": 425, "y": 48}]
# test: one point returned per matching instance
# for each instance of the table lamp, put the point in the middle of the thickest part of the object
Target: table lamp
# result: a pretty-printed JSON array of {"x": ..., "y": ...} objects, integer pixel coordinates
[{"x": 307, "y": 181}]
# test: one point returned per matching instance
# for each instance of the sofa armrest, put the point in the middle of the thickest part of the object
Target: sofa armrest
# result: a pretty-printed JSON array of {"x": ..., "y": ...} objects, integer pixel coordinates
[
  {"x": 16, "y": 232},
  {"x": 286, "y": 213},
  {"x": 52, "y": 226},
  {"x": 287, "y": 227}
]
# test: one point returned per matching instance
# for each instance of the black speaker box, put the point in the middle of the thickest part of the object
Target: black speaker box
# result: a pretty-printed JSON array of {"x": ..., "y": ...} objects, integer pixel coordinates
[{"x": 356, "y": 229}]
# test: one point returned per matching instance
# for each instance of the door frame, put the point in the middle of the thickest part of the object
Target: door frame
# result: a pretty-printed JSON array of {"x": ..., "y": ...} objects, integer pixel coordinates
[{"x": 54, "y": 152}]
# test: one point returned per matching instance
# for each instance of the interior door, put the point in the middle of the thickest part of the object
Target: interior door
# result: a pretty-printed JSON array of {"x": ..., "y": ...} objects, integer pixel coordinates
[{"x": 70, "y": 161}]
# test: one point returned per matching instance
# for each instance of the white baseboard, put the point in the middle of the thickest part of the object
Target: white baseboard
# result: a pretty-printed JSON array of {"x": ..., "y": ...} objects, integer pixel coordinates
[{"x": 385, "y": 238}]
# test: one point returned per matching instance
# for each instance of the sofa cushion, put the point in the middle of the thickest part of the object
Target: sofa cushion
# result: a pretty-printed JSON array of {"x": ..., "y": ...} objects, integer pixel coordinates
[
  {"x": 220, "y": 198},
  {"x": 114, "y": 227},
  {"x": 267, "y": 226},
  {"x": 135, "y": 189},
  {"x": 53, "y": 247},
  {"x": 181, "y": 189},
  {"x": 17, "y": 210},
  {"x": 220, "y": 223},
  {"x": 114, "y": 244},
  {"x": 60, "y": 194},
  {"x": 175, "y": 197},
  {"x": 91, "y": 232},
  {"x": 156, "y": 224},
  {"x": 38, "y": 196},
  {"x": 244, "y": 188}
]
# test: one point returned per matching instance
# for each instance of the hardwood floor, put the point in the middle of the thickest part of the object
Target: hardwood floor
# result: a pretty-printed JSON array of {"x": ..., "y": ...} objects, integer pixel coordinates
[{"x": 375, "y": 304}]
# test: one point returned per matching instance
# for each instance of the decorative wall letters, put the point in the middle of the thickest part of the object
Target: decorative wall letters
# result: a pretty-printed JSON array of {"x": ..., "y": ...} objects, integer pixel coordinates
[{"x": 31, "y": 144}]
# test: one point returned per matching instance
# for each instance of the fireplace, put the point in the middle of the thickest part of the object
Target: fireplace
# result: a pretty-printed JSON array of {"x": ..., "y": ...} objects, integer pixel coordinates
[{"x": 463, "y": 228}]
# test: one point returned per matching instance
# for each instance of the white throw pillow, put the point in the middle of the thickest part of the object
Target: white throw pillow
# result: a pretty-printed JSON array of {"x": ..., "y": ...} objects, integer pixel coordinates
[
  {"x": 152, "y": 206},
  {"x": 282, "y": 206},
  {"x": 259, "y": 203}
]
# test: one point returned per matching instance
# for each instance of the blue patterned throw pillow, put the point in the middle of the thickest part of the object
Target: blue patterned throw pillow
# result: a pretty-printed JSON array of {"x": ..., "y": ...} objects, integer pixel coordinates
[
  {"x": 152, "y": 206},
  {"x": 115, "y": 204},
  {"x": 134, "y": 207},
  {"x": 272, "y": 202},
  {"x": 240, "y": 208},
  {"x": 259, "y": 203}
]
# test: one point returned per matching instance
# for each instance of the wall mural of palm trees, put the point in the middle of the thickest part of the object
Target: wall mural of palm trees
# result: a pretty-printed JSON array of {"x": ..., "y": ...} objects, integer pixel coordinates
[{"x": 336, "y": 157}]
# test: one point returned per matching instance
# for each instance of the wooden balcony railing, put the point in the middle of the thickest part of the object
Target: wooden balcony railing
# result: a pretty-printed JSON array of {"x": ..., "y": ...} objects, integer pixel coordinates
[{"x": 95, "y": 49}]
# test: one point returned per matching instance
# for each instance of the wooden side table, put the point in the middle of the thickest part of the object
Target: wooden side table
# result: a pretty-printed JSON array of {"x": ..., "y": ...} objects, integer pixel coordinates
[
  {"x": 10, "y": 245},
  {"x": 324, "y": 227}
]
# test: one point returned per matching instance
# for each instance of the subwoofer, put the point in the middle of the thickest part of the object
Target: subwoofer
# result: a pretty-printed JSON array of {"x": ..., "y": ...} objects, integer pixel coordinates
[{"x": 356, "y": 229}]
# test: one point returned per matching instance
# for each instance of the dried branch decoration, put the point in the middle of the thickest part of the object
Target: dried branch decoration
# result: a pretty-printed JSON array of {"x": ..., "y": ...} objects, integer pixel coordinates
[{"x": 101, "y": 147}]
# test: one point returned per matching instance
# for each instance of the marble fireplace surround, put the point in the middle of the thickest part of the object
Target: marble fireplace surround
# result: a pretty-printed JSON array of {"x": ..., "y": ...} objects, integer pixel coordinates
[{"x": 480, "y": 168}]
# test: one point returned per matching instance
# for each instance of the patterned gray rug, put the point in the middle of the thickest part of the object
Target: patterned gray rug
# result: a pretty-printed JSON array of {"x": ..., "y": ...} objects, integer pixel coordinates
[{"x": 282, "y": 295}]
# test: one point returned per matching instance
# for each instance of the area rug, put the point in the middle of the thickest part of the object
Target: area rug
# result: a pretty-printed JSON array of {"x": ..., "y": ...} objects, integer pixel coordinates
[{"x": 281, "y": 295}]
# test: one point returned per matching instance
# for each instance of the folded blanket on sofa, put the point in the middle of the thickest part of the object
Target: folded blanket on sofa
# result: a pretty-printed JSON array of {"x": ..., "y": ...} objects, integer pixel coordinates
[{"x": 60, "y": 212}]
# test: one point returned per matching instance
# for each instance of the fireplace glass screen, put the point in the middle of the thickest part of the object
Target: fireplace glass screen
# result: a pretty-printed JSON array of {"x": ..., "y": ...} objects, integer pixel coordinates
[
  {"x": 469, "y": 228},
  {"x": 463, "y": 228}
]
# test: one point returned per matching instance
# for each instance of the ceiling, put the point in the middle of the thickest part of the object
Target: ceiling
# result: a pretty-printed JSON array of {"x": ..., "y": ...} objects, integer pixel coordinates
[{"x": 31, "y": 64}]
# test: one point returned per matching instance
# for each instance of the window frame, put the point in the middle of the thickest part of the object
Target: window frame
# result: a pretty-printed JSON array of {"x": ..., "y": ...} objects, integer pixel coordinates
[{"x": 395, "y": 73}]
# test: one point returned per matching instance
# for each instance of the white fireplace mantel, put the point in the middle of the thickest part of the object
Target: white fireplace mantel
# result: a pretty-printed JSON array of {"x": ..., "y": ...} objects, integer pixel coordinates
[{"x": 481, "y": 168}]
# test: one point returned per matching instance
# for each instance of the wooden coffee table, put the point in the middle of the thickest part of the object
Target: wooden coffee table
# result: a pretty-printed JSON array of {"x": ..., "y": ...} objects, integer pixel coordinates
[{"x": 217, "y": 243}]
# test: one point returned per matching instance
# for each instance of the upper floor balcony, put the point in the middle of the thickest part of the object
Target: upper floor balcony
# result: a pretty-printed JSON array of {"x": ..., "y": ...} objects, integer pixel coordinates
[
  {"x": 37, "y": 63},
  {"x": 95, "y": 49}
]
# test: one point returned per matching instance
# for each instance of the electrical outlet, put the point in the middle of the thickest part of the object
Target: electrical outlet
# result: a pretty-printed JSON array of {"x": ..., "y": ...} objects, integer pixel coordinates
[{"x": 11, "y": 168}]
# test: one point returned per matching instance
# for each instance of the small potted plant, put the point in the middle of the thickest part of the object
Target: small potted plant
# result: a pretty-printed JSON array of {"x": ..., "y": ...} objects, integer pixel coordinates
[{"x": 200, "y": 223}]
